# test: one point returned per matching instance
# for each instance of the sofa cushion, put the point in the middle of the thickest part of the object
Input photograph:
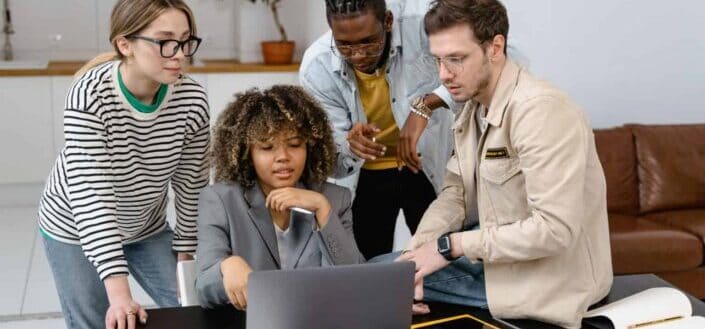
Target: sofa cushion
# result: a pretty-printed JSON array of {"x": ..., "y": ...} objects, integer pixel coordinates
[
  {"x": 692, "y": 220},
  {"x": 615, "y": 148},
  {"x": 671, "y": 162},
  {"x": 644, "y": 246}
]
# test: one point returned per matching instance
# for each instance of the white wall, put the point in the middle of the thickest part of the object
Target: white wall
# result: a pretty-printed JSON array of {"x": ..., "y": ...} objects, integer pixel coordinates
[
  {"x": 78, "y": 29},
  {"x": 258, "y": 25},
  {"x": 316, "y": 19},
  {"x": 623, "y": 61}
]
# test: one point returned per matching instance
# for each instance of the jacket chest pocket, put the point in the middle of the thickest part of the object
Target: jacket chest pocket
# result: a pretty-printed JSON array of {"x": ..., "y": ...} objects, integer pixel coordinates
[
  {"x": 502, "y": 194},
  {"x": 500, "y": 170}
]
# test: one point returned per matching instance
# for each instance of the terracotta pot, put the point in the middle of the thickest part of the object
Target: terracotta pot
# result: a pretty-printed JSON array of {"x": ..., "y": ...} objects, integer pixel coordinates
[{"x": 277, "y": 52}]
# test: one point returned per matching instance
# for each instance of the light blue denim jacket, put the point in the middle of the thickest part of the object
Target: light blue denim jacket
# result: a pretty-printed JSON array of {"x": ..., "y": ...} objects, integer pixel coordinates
[{"x": 410, "y": 72}]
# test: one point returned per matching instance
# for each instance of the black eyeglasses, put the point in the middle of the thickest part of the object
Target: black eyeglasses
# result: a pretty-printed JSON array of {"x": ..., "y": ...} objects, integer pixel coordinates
[{"x": 169, "y": 47}]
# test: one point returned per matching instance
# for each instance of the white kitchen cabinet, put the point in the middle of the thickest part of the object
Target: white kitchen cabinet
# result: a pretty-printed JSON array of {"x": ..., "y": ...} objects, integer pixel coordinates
[
  {"x": 26, "y": 129},
  {"x": 59, "y": 87},
  {"x": 222, "y": 87}
]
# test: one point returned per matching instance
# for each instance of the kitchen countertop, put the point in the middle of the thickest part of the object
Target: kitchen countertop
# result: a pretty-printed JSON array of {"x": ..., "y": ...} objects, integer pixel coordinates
[{"x": 209, "y": 66}]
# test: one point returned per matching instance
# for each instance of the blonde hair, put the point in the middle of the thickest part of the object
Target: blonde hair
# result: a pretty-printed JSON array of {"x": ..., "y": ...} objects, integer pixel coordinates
[{"x": 129, "y": 17}]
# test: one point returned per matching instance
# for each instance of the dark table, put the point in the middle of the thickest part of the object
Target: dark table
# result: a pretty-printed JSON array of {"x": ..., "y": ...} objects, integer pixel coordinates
[{"x": 228, "y": 318}]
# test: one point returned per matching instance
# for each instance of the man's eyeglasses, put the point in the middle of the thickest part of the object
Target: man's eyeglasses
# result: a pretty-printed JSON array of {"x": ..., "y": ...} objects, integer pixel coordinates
[
  {"x": 169, "y": 47},
  {"x": 372, "y": 49},
  {"x": 454, "y": 64}
]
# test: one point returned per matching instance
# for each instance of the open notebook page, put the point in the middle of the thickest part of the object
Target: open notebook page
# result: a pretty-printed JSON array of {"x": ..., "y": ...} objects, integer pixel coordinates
[{"x": 645, "y": 309}]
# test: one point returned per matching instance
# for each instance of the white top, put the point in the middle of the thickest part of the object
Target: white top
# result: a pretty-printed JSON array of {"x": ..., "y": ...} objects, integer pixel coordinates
[{"x": 284, "y": 245}]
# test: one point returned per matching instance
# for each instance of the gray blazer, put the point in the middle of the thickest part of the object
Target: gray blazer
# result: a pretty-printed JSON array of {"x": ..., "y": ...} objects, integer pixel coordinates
[{"x": 235, "y": 221}]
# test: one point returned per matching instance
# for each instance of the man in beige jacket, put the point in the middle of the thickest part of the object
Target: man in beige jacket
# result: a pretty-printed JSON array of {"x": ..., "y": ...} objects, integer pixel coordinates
[{"x": 525, "y": 169}]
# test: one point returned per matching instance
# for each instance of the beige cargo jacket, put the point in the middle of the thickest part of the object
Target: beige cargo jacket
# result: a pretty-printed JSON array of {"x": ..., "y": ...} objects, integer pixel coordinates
[{"x": 541, "y": 200}]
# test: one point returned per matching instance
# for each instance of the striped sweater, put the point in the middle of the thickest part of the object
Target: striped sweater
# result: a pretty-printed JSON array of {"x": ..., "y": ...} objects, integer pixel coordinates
[{"x": 109, "y": 184}]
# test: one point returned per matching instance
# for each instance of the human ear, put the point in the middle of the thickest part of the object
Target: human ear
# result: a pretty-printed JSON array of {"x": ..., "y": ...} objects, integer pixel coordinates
[
  {"x": 388, "y": 21},
  {"x": 124, "y": 46},
  {"x": 497, "y": 46}
]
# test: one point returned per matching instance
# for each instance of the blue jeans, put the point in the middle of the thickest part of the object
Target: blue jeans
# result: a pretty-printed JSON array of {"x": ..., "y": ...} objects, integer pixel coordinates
[
  {"x": 461, "y": 282},
  {"x": 81, "y": 292}
]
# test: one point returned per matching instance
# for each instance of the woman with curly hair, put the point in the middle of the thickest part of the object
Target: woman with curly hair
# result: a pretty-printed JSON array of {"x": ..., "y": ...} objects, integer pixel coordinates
[{"x": 272, "y": 150}]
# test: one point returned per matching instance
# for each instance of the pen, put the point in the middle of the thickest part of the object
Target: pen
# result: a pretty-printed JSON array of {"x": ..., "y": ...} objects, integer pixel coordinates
[{"x": 644, "y": 324}]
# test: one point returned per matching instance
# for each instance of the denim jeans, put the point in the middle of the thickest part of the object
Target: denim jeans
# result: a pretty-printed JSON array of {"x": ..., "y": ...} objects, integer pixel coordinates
[
  {"x": 461, "y": 282},
  {"x": 84, "y": 301}
]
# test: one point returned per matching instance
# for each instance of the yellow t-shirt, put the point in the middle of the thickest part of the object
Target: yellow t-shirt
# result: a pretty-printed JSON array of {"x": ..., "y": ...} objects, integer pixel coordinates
[{"x": 374, "y": 94}]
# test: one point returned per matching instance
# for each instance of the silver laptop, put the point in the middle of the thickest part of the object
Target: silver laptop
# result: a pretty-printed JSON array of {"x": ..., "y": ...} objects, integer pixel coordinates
[{"x": 341, "y": 297}]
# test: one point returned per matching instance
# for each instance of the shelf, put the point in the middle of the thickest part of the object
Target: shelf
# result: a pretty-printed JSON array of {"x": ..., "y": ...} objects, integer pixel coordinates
[{"x": 204, "y": 66}]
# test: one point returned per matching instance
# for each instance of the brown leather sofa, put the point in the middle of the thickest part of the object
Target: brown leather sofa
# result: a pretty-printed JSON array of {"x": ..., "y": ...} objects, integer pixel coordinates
[{"x": 656, "y": 201}]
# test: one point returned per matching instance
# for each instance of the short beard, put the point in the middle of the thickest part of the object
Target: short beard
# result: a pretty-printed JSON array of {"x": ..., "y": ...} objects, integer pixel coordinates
[{"x": 485, "y": 82}]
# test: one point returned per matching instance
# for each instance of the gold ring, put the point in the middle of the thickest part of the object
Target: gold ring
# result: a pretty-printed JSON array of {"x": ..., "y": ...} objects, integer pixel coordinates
[{"x": 130, "y": 312}]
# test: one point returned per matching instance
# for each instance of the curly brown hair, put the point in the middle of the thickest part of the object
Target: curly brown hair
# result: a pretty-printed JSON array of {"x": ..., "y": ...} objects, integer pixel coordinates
[{"x": 260, "y": 115}]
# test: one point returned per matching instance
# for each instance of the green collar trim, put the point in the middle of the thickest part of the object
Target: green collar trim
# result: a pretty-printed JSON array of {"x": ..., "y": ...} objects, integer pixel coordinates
[{"x": 136, "y": 104}]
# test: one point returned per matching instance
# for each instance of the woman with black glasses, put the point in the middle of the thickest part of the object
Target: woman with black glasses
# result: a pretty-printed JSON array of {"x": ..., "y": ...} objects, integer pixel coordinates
[{"x": 134, "y": 125}]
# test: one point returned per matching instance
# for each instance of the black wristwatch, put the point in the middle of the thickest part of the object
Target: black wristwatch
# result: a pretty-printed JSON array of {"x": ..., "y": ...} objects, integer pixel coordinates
[{"x": 444, "y": 247}]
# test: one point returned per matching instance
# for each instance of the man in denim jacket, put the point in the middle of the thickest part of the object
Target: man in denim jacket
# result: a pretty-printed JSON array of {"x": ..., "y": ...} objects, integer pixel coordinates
[{"x": 379, "y": 86}]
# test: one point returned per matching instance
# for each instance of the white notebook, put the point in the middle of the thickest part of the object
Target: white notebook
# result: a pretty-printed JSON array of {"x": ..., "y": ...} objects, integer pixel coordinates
[{"x": 654, "y": 308}]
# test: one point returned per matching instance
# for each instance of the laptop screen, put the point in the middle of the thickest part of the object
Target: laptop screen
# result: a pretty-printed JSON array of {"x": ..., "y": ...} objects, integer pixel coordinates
[{"x": 351, "y": 296}]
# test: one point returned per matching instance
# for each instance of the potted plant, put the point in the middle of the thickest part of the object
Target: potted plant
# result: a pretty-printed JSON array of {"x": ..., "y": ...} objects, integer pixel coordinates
[{"x": 279, "y": 51}]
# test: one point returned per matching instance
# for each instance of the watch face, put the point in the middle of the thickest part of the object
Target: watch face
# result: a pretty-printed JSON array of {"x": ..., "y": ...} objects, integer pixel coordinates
[{"x": 443, "y": 244}]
